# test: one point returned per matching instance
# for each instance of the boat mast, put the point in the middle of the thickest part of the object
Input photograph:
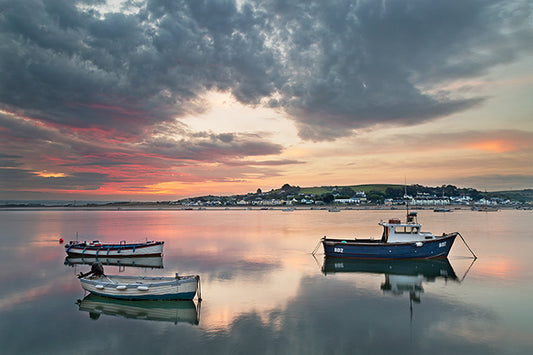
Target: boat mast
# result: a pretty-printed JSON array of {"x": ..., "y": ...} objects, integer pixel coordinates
[{"x": 406, "y": 200}]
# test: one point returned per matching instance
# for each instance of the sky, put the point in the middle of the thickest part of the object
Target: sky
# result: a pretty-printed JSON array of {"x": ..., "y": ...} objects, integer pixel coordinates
[{"x": 167, "y": 99}]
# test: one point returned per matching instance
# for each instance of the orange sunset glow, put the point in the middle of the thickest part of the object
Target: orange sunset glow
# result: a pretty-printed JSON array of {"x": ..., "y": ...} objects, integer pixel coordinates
[{"x": 495, "y": 146}]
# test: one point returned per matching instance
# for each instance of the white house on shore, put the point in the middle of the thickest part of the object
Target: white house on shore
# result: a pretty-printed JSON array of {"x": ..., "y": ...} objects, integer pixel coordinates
[
  {"x": 351, "y": 200},
  {"x": 427, "y": 200}
]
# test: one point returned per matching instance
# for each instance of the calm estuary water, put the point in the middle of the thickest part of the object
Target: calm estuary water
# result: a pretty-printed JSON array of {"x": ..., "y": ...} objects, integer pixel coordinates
[{"x": 263, "y": 292}]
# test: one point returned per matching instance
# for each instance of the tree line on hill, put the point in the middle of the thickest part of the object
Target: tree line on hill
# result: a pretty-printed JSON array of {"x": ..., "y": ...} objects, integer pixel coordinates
[
  {"x": 380, "y": 195},
  {"x": 375, "y": 194}
]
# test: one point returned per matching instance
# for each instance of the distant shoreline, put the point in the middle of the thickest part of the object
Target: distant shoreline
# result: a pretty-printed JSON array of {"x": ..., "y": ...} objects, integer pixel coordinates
[{"x": 248, "y": 208}]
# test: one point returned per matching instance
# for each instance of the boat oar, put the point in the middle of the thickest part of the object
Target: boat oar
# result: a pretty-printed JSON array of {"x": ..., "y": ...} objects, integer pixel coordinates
[
  {"x": 82, "y": 275},
  {"x": 464, "y": 241}
]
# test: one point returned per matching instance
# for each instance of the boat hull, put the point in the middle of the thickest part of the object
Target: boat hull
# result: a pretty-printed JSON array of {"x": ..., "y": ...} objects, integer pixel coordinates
[
  {"x": 154, "y": 262},
  {"x": 430, "y": 269},
  {"x": 116, "y": 250},
  {"x": 142, "y": 288},
  {"x": 167, "y": 311},
  {"x": 367, "y": 249}
]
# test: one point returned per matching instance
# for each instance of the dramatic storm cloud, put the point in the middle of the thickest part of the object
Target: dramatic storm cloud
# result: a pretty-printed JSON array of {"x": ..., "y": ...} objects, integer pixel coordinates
[
  {"x": 334, "y": 66},
  {"x": 90, "y": 84}
]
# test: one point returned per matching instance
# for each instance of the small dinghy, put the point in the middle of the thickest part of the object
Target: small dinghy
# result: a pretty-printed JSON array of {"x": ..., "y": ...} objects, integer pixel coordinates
[
  {"x": 121, "y": 249},
  {"x": 139, "y": 287},
  {"x": 154, "y": 262},
  {"x": 165, "y": 311}
]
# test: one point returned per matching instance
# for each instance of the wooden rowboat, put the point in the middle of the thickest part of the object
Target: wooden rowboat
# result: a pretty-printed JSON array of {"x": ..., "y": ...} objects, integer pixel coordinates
[
  {"x": 140, "y": 287},
  {"x": 122, "y": 249},
  {"x": 153, "y": 262},
  {"x": 166, "y": 311}
]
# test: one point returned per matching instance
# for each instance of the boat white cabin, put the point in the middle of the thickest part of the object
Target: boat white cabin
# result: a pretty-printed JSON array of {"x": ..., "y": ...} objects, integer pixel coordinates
[{"x": 394, "y": 231}]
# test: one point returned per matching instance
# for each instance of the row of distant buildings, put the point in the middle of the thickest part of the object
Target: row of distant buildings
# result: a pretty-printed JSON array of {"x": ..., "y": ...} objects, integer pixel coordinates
[
  {"x": 360, "y": 198},
  {"x": 425, "y": 199},
  {"x": 289, "y": 200}
]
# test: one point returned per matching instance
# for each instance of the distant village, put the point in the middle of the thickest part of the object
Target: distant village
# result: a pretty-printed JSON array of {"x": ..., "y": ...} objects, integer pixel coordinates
[
  {"x": 357, "y": 196},
  {"x": 415, "y": 195}
]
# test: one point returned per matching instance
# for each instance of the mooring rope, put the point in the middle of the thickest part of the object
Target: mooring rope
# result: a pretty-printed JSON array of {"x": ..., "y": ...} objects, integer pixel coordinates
[
  {"x": 467, "y": 270},
  {"x": 317, "y": 246},
  {"x": 464, "y": 241},
  {"x": 199, "y": 288}
]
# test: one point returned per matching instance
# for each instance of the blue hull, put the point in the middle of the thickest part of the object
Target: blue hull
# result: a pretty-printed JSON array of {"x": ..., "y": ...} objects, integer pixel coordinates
[
  {"x": 173, "y": 296},
  {"x": 429, "y": 268},
  {"x": 436, "y": 248}
]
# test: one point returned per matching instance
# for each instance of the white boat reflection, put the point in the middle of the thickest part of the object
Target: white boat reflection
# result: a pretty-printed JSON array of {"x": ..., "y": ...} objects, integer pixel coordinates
[
  {"x": 154, "y": 262},
  {"x": 401, "y": 276},
  {"x": 165, "y": 311}
]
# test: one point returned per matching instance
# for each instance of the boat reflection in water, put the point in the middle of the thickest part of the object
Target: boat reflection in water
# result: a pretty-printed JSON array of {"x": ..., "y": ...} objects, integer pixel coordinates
[
  {"x": 400, "y": 275},
  {"x": 154, "y": 262},
  {"x": 165, "y": 311}
]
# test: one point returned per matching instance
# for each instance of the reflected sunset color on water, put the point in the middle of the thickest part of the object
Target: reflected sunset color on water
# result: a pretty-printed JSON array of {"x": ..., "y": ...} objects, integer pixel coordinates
[{"x": 263, "y": 291}]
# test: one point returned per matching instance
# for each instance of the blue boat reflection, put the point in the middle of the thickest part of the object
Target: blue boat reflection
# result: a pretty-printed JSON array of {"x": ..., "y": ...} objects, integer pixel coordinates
[
  {"x": 165, "y": 311},
  {"x": 400, "y": 275},
  {"x": 154, "y": 262}
]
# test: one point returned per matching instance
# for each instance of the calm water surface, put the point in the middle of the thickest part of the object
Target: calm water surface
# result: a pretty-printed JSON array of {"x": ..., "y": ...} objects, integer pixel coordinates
[{"x": 263, "y": 292}]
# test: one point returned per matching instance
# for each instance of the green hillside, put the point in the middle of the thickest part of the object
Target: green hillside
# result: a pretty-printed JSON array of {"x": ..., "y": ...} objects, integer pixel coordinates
[
  {"x": 366, "y": 188},
  {"x": 515, "y": 195}
]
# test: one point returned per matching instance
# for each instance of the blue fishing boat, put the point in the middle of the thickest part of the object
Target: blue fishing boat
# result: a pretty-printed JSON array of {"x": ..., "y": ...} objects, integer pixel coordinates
[{"x": 398, "y": 241}]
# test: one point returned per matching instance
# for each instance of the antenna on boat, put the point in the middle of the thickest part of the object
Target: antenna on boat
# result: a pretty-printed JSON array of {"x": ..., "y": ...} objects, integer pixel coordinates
[{"x": 406, "y": 199}]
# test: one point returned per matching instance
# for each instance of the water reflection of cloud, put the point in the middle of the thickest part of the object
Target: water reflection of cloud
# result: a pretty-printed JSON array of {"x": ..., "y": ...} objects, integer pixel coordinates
[
  {"x": 224, "y": 266},
  {"x": 499, "y": 268},
  {"x": 33, "y": 293},
  {"x": 327, "y": 315},
  {"x": 350, "y": 320}
]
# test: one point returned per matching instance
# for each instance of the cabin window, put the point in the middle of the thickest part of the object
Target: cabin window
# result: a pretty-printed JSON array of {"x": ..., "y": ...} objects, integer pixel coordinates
[{"x": 406, "y": 229}]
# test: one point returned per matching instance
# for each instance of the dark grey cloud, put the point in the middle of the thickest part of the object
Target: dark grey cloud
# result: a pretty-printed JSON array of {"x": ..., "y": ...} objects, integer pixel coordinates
[
  {"x": 359, "y": 64},
  {"x": 22, "y": 179},
  {"x": 204, "y": 146},
  {"x": 7, "y": 160},
  {"x": 168, "y": 144},
  {"x": 333, "y": 66}
]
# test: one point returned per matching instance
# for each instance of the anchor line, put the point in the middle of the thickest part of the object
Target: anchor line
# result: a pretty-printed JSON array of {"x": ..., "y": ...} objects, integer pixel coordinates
[
  {"x": 467, "y": 270},
  {"x": 316, "y": 248},
  {"x": 199, "y": 288},
  {"x": 464, "y": 241}
]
